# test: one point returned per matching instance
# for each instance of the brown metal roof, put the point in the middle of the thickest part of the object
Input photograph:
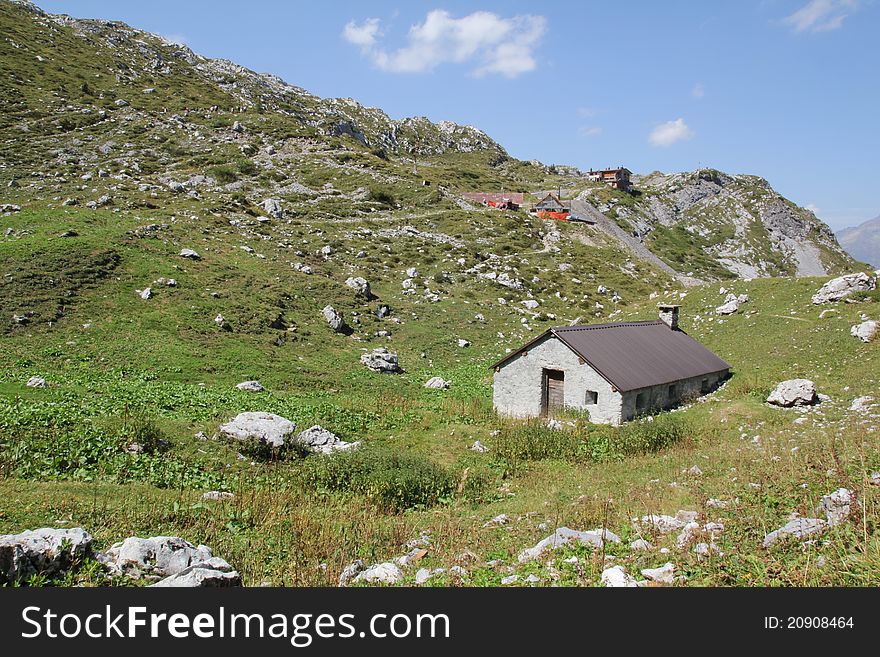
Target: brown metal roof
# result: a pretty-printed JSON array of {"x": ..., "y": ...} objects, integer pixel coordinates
[{"x": 632, "y": 355}]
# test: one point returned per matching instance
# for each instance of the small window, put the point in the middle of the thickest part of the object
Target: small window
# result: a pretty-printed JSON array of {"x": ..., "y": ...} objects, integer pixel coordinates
[
  {"x": 673, "y": 390},
  {"x": 704, "y": 386},
  {"x": 592, "y": 398},
  {"x": 640, "y": 400}
]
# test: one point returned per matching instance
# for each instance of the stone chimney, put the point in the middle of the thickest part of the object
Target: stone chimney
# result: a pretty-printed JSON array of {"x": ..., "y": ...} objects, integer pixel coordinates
[{"x": 669, "y": 314}]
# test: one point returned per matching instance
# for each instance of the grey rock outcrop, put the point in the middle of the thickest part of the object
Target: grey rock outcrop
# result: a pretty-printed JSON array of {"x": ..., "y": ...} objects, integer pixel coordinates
[
  {"x": 46, "y": 551},
  {"x": 866, "y": 331},
  {"x": 381, "y": 360},
  {"x": 266, "y": 428},
  {"x": 335, "y": 319},
  {"x": 843, "y": 286},
  {"x": 319, "y": 439},
  {"x": 794, "y": 392},
  {"x": 213, "y": 573},
  {"x": 437, "y": 383},
  {"x": 360, "y": 285},
  {"x": 797, "y": 528},
  {"x": 250, "y": 386}
]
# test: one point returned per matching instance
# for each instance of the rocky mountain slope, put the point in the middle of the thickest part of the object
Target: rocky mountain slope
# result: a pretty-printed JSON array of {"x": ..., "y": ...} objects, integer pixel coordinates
[
  {"x": 137, "y": 117},
  {"x": 862, "y": 242},
  {"x": 715, "y": 225}
]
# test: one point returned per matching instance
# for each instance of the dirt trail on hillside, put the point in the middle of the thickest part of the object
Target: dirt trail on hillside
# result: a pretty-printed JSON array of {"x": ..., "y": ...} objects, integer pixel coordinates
[{"x": 635, "y": 246}]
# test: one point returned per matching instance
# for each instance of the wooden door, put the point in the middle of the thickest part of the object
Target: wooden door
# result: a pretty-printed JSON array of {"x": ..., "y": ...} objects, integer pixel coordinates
[{"x": 553, "y": 397}]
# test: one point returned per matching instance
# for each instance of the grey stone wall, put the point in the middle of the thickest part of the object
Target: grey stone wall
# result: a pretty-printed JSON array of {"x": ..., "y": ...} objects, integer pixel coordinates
[
  {"x": 517, "y": 386},
  {"x": 658, "y": 397}
]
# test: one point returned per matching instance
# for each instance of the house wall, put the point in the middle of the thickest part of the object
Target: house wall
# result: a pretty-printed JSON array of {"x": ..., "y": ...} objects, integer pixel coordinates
[
  {"x": 517, "y": 386},
  {"x": 657, "y": 397}
]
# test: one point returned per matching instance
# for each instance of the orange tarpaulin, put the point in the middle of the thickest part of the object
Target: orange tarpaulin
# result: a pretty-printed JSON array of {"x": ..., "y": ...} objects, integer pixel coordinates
[{"x": 545, "y": 214}]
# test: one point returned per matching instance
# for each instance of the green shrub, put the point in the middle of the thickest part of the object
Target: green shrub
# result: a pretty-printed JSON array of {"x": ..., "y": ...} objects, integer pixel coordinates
[
  {"x": 383, "y": 196},
  {"x": 391, "y": 480},
  {"x": 586, "y": 442},
  {"x": 224, "y": 174}
]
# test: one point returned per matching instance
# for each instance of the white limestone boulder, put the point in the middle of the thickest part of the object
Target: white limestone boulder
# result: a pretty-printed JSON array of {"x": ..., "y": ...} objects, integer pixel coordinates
[
  {"x": 794, "y": 392},
  {"x": 266, "y": 428}
]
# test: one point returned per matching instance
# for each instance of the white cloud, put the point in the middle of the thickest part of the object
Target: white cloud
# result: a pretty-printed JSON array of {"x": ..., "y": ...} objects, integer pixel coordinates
[
  {"x": 698, "y": 91},
  {"x": 589, "y": 131},
  {"x": 492, "y": 44},
  {"x": 363, "y": 35},
  {"x": 670, "y": 132},
  {"x": 821, "y": 15},
  {"x": 812, "y": 208},
  {"x": 179, "y": 39}
]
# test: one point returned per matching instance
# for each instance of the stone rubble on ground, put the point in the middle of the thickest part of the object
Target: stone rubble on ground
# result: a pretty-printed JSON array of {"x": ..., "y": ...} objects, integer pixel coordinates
[
  {"x": 563, "y": 536},
  {"x": 36, "y": 382},
  {"x": 334, "y": 319},
  {"x": 437, "y": 383},
  {"x": 479, "y": 447}
]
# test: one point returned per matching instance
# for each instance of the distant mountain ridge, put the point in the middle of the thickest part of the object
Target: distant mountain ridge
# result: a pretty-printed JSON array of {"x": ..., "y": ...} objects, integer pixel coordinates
[{"x": 862, "y": 242}]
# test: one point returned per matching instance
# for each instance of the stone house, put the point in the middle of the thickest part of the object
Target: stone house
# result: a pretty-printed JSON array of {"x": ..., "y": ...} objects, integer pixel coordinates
[{"x": 614, "y": 372}]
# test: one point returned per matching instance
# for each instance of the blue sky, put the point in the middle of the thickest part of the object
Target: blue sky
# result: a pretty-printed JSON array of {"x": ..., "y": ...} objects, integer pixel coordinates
[{"x": 785, "y": 89}]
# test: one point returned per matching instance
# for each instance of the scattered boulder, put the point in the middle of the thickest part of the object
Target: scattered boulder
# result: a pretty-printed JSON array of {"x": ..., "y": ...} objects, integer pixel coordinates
[
  {"x": 616, "y": 576},
  {"x": 36, "y": 382},
  {"x": 383, "y": 573},
  {"x": 463, "y": 343},
  {"x": 437, "y": 383},
  {"x": 837, "y": 506},
  {"x": 266, "y": 428},
  {"x": 319, "y": 439},
  {"x": 861, "y": 404},
  {"x": 181, "y": 563},
  {"x": 190, "y": 253},
  {"x": 794, "y": 392},
  {"x": 272, "y": 207},
  {"x": 48, "y": 552},
  {"x": 640, "y": 544},
  {"x": 843, "y": 286},
  {"x": 381, "y": 360},
  {"x": 359, "y": 285},
  {"x": 335, "y": 319},
  {"x": 797, "y": 528},
  {"x": 866, "y": 331},
  {"x": 145, "y": 294},
  {"x": 251, "y": 386},
  {"x": 479, "y": 447},
  {"x": 220, "y": 321},
  {"x": 665, "y": 574},
  {"x": 663, "y": 524},
  {"x": 563, "y": 536}
]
